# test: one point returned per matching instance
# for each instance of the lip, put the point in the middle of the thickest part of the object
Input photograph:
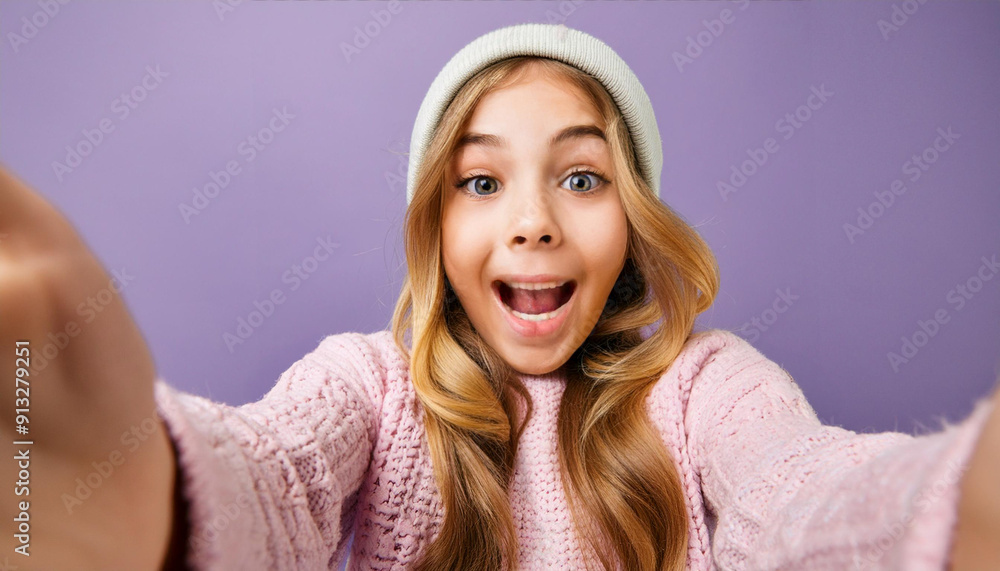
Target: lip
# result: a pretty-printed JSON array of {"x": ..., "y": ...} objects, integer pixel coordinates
[
  {"x": 526, "y": 328},
  {"x": 539, "y": 278}
]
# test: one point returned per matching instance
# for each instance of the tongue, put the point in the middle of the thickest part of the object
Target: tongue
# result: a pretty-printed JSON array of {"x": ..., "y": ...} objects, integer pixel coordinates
[{"x": 534, "y": 302}]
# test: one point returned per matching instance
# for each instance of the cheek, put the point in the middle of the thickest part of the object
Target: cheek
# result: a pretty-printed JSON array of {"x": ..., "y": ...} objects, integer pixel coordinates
[
  {"x": 604, "y": 240},
  {"x": 463, "y": 253},
  {"x": 606, "y": 262},
  {"x": 617, "y": 233}
]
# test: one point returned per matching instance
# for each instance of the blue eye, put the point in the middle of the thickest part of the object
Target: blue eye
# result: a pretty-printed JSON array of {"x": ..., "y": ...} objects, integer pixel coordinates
[
  {"x": 579, "y": 178},
  {"x": 490, "y": 186},
  {"x": 485, "y": 186}
]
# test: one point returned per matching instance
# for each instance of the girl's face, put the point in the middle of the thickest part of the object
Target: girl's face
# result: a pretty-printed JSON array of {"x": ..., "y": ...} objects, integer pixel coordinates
[{"x": 535, "y": 235}]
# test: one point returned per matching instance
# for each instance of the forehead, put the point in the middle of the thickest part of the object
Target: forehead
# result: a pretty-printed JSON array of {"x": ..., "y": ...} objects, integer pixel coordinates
[{"x": 538, "y": 109}]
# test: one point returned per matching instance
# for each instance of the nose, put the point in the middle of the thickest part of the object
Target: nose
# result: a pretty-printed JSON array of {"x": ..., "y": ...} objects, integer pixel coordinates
[{"x": 533, "y": 220}]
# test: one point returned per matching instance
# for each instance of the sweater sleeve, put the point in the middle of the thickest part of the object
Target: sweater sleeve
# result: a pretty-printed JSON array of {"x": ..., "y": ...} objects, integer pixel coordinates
[
  {"x": 784, "y": 491},
  {"x": 273, "y": 484}
]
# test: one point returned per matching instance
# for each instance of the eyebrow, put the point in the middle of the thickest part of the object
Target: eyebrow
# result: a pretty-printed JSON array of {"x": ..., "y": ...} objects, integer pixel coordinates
[{"x": 498, "y": 142}]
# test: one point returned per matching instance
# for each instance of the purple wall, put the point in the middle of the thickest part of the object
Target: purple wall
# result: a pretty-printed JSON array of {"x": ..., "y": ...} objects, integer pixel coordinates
[{"x": 209, "y": 81}]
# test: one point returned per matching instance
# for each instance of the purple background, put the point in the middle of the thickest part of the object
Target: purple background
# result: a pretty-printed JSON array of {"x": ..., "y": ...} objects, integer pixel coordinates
[{"x": 337, "y": 171}]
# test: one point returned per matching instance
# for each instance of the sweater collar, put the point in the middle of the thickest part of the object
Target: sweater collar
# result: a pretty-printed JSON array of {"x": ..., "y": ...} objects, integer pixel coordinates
[{"x": 556, "y": 376}]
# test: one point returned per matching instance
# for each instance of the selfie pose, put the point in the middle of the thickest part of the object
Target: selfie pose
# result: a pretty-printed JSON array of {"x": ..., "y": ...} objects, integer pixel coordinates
[{"x": 543, "y": 399}]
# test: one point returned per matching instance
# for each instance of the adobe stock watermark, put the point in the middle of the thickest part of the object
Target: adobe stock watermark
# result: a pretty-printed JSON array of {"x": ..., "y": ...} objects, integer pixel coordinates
[
  {"x": 697, "y": 44},
  {"x": 225, "y": 7},
  {"x": 894, "y": 531},
  {"x": 293, "y": 277},
  {"x": 248, "y": 149},
  {"x": 753, "y": 329},
  {"x": 211, "y": 529},
  {"x": 122, "y": 107},
  {"x": 363, "y": 36},
  {"x": 105, "y": 468},
  {"x": 958, "y": 297},
  {"x": 563, "y": 11},
  {"x": 915, "y": 166},
  {"x": 32, "y": 25},
  {"x": 786, "y": 126},
  {"x": 899, "y": 16},
  {"x": 396, "y": 178},
  {"x": 88, "y": 310}
]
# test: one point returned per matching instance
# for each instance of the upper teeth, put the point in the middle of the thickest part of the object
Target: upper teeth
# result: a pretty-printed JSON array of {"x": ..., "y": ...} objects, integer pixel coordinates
[{"x": 545, "y": 285}]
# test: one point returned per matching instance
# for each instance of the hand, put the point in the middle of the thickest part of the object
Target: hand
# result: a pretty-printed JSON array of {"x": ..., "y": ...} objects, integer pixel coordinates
[
  {"x": 976, "y": 544},
  {"x": 100, "y": 467}
]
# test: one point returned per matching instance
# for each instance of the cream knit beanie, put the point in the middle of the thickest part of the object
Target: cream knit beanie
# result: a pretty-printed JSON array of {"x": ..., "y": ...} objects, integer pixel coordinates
[{"x": 554, "y": 41}]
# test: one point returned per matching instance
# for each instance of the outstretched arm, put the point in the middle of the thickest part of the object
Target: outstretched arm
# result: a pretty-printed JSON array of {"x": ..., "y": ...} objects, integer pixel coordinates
[
  {"x": 267, "y": 485},
  {"x": 789, "y": 492},
  {"x": 270, "y": 484}
]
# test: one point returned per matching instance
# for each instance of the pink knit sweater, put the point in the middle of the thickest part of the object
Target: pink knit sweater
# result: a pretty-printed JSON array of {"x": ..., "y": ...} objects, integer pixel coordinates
[{"x": 338, "y": 446}]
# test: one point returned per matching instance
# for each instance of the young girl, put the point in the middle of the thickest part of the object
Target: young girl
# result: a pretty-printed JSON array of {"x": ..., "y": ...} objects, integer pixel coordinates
[{"x": 542, "y": 400}]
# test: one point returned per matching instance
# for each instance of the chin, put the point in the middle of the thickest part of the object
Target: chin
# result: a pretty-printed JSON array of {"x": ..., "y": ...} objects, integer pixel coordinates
[
  {"x": 531, "y": 370},
  {"x": 533, "y": 367}
]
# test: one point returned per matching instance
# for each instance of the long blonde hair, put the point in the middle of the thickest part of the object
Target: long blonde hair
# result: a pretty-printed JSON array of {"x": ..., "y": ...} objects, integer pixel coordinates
[{"x": 627, "y": 498}]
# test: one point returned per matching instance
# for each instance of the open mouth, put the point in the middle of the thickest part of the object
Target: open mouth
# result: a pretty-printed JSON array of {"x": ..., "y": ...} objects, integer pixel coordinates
[{"x": 534, "y": 301}]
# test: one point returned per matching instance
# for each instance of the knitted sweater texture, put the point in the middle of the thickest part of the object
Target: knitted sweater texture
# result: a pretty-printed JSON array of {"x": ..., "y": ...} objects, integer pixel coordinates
[{"x": 338, "y": 447}]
